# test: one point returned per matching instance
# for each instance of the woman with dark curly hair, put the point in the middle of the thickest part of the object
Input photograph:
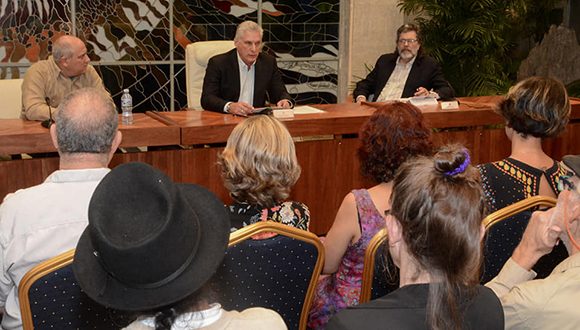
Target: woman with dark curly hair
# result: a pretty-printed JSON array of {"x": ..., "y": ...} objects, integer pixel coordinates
[
  {"x": 434, "y": 237},
  {"x": 535, "y": 108},
  {"x": 259, "y": 167},
  {"x": 393, "y": 134}
]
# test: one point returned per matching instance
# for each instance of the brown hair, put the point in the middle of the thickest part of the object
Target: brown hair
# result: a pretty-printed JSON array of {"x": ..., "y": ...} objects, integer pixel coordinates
[
  {"x": 394, "y": 133},
  {"x": 440, "y": 208},
  {"x": 259, "y": 164},
  {"x": 537, "y": 106},
  {"x": 409, "y": 28}
]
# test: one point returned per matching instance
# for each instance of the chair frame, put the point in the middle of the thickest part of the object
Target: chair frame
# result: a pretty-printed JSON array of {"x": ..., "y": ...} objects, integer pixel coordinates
[
  {"x": 369, "y": 265},
  {"x": 270, "y": 226},
  {"x": 35, "y": 273},
  {"x": 516, "y": 208}
]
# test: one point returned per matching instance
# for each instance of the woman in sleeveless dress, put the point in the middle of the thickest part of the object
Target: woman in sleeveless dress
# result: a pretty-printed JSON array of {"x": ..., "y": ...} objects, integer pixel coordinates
[{"x": 394, "y": 133}]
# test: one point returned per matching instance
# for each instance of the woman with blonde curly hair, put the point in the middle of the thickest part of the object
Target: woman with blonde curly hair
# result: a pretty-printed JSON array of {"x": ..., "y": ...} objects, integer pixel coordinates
[{"x": 259, "y": 168}]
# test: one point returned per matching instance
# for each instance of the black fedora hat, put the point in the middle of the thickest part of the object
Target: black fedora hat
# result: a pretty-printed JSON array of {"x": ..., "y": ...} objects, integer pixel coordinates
[{"x": 150, "y": 242}]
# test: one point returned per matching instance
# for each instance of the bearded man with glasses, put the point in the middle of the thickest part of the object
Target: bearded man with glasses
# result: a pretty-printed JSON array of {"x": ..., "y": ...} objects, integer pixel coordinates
[{"x": 405, "y": 73}]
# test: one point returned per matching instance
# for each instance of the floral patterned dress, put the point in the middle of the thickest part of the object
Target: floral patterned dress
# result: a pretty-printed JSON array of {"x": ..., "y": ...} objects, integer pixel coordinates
[
  {"x": 290, "y": 213},
  {"x": 342, "y": 289}
]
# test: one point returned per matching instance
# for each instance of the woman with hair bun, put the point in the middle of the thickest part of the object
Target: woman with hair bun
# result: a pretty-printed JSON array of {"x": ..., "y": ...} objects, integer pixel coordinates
[
  {"x": 393, "y": 134},
  {"x": 434, "y": 237}
]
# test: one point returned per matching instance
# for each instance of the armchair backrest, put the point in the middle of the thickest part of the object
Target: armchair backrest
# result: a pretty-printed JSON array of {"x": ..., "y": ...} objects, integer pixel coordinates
[
  {"x": 50, "y": 298},
  {"x": 504, "y": 229},
  {"x": 11, "y": 96},
  {"x": 375, "y": 281},
  {"x": 197, "y": 55},
  {"x": 279, "y": 273}
]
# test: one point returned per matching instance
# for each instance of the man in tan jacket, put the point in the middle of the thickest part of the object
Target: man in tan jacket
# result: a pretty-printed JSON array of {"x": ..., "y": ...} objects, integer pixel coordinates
[{"x": 48, "y": 81}]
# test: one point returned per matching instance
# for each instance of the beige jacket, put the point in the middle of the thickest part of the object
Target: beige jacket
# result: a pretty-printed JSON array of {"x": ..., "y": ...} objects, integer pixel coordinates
[
  {"x": 550, "y": 303},
  {"x": 45, "y": 79}
]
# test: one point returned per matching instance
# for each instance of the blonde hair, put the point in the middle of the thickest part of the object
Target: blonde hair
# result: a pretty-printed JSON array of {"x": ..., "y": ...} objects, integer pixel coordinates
[{"x": 259, "y": 164}]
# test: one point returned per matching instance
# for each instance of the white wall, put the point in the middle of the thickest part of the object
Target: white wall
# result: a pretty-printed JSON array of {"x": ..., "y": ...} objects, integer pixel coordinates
[{"x": 368, "y": 29}]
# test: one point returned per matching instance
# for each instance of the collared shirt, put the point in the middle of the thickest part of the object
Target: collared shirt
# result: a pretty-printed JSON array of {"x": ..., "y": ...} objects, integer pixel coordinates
[
  {"x": 394, "y": 87},
  {"x": 214, "y": 318},
  {"x": 39, "y": 223},
  {"x": 548, "y": 303},
  {"x": 45, "y": 79},
  {"x": 192, "y": 320},
  {"x": 247, "y": 78}
]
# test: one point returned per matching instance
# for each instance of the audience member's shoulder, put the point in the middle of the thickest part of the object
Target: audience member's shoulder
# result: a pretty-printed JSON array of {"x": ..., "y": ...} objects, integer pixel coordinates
[
  {"x": 294, "y": 205},
  {"x": 485, "y": 311},
  {"x": 257, "y": 318},
  {"x": 23, "y": 194},
  {"x": 487, "y": 294}
]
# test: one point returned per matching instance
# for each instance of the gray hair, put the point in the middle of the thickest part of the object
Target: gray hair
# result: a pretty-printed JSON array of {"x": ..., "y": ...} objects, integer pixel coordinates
[
  {"x": 62, "y": 48},
  {"x": 248, "y": 26},
  {"x": 86, "y": 122}
]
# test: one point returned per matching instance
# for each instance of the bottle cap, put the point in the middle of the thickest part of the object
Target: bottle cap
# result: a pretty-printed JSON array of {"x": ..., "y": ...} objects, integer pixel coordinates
[{"x": 126, "y": 90}]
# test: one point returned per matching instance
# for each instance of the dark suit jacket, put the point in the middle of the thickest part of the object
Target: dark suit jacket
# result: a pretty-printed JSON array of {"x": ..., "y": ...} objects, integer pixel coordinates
[
  {"x": 426, "y": 72},
  {"x": 222, "y": 81},
  {"x": 406, "y": 308}
]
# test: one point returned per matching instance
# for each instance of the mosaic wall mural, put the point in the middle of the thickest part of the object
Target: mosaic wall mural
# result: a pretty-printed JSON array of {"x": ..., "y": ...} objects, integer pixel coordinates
[{"x": 140, "y": 44}]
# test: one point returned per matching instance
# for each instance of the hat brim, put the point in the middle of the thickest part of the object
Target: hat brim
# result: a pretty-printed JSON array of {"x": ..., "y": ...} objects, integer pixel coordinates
[{"x": 109, "y": 292}]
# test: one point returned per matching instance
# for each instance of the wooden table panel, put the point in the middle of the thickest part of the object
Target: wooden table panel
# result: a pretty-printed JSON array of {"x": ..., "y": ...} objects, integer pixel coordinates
[
  {"x": 330, "y": 168},
  {"x": 20, "y": 136}
]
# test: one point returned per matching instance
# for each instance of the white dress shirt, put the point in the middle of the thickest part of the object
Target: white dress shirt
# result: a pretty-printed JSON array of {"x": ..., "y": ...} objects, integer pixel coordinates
[
  {"x": 247, "y": 79},
  {"x": 394, "y": 87},
  {"x": 38, "y": 223}
]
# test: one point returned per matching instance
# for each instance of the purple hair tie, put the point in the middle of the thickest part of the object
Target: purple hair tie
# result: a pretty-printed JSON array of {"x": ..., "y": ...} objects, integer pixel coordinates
[{"x": 461, "y": 168}]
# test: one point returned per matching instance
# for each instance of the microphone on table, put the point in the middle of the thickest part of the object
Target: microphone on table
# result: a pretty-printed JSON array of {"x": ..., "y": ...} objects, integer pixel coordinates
[{"x": 46, "y": 123}]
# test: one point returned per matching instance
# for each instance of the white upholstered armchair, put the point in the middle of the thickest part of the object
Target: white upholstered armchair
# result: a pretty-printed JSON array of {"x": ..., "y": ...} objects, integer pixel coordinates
[{"x": 197, "y": 55}]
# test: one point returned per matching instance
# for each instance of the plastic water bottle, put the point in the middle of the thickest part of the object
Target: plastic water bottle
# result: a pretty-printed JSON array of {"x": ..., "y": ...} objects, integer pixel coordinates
[{"x": 127, "y": 108}]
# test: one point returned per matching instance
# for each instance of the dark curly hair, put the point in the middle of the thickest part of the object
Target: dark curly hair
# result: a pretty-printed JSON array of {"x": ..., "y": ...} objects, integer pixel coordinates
[
  {"x": 394, "y": 133},
  {"x": 537, "y": 106}
]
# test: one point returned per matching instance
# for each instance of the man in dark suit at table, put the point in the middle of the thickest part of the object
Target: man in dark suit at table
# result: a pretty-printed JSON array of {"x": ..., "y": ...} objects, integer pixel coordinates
[
  {"x": 405, "y": 73},
  {"x": 243, "y": 78},
  {"x": 46, "y": 220}
]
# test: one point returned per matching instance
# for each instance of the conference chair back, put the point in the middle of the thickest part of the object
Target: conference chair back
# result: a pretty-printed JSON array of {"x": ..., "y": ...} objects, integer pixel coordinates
[
  {"x": 278, "y": 273},
  {"x": 379, "y": 277},
  {"x": 504, "y": 229},
  {"x": 50, "y": 298},
  {"x": 11, "y": 96}
]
